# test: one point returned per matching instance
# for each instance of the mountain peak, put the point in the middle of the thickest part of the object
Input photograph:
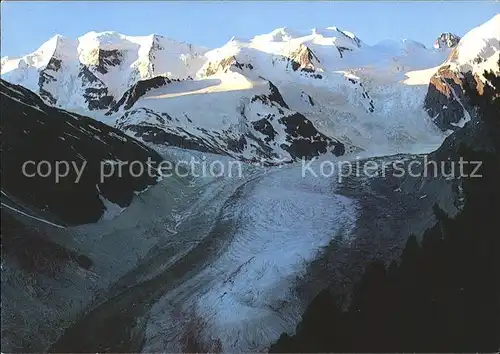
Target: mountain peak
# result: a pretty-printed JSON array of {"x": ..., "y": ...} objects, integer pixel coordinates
[
  {"x": 446, "y": 40},
  {"x": 51, "y": 44},
  {"x": 283, "y": 34},
  {"x": 105, "y": 40},
  {"x": 333, "y": 31}
]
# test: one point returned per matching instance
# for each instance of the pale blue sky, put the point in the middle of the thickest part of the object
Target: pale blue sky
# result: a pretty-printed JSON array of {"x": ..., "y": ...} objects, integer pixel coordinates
[{"x": 26, "y": 25}]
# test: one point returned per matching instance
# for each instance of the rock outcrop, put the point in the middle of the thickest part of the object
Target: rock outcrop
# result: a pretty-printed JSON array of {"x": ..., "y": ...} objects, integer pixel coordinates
[
  {"x": 304, "y": 59},
  {"x": 223, "y": 66},
  {"x": 446, "y": 102},
  {"x": 136, "y": 91},
  {"x": 446, "y": 40}
]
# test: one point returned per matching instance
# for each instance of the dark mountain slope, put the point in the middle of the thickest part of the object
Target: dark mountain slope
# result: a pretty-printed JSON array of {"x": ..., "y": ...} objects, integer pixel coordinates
[{"x": 32, "y": 131}]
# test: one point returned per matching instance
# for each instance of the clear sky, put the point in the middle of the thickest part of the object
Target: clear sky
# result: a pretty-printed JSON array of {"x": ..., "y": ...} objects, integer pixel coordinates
[{"x": 26, "y": 25}]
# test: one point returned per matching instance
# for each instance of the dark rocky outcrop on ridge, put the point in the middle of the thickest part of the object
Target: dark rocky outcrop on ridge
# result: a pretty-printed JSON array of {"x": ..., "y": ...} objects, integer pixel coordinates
[
  {"x": 225, "y": 65},
  {"x": 304, "y": 59},
  {"x": 95, "y": 93},
  {"x": 446, "y": 101},
  {"x": 446, "y": 40},
  {"x": 107, "y": 59},
  {"x": 137, "y": 91},
  {"x": 305, "y": 141}
]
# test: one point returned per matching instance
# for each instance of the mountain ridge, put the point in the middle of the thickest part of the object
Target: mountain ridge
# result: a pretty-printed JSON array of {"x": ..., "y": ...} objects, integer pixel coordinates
[{"x": 139, "y": 58}]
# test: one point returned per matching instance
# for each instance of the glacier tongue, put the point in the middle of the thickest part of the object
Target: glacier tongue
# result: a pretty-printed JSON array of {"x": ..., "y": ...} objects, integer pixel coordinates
[{"x": 272, "y": 228}]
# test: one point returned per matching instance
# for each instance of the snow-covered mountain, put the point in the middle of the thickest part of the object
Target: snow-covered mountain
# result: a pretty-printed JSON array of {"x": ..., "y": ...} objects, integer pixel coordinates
[
  {"x": 276, "y": 97},
  {"x": 93, "y": 71},
  {"x": 333, "y": 85}
]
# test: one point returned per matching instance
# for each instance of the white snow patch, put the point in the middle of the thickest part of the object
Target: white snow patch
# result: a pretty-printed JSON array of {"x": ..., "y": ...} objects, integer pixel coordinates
[{"x": 112, "y": 209}]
